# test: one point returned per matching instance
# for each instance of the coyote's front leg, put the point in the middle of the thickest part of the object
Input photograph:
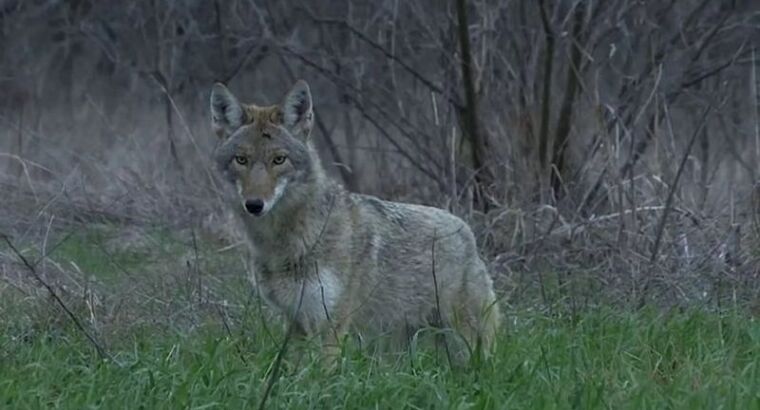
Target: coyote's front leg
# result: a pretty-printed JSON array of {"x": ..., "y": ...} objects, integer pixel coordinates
[{"x": 333, "y": 334}]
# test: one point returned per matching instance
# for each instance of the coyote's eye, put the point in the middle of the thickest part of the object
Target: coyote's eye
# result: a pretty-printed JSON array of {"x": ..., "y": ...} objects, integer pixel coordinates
[
  {"x": 279, "y": 159},
  {"x": 240, "y": 159}
]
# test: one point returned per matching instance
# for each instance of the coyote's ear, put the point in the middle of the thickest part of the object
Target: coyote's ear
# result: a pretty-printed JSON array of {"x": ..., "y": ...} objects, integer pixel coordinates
[
  {"x": 227, "y": 114},
  {"x": 297, "y": 114}
]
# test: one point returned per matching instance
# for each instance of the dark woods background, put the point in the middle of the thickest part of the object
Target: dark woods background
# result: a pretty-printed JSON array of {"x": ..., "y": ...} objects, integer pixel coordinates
[{"x": 601, "y": 149}]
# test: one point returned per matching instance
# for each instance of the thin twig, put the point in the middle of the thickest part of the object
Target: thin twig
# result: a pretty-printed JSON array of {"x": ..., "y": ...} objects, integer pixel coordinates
[
  {"x": 669, "y": 205},
  {"x": 388, "y": 54},
  {"x": 438, "y": 300},
  {"x": 101, "y": 351},
  {"x": 275, "y": 375},
  {"x": 225, "y": 323}
]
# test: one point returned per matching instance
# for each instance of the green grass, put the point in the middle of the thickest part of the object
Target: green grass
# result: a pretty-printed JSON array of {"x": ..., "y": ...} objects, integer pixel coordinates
[
  {"x": 601, "y": 359},
  {"x": 103, "y": 252},
  {"x": 158, "y": 318}
]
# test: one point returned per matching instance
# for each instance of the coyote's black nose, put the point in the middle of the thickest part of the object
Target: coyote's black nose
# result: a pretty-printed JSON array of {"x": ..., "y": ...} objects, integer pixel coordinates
[{"x": 254, "y": 206}]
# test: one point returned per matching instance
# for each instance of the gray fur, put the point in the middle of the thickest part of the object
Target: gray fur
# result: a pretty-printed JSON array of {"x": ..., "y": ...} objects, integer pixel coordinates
[{"x": 227, "y": 113}]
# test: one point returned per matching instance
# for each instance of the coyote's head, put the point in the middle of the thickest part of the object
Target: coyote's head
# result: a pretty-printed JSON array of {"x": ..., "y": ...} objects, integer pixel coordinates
[{"x": 263, "y": 150}]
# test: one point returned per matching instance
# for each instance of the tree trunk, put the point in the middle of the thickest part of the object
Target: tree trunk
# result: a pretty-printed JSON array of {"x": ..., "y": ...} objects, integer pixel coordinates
[
  {"x": 483, "y": 178},
  {"x": 564, "y": 123},
  {"x": 543, "y": 133}
]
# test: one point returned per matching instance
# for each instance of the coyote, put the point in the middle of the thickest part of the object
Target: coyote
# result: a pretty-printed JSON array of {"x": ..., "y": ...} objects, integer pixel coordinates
[{"x": 335, "y": 261}]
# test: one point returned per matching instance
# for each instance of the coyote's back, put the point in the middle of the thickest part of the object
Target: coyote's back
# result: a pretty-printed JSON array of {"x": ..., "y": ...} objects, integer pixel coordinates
[{"x": 334, "y": 260}]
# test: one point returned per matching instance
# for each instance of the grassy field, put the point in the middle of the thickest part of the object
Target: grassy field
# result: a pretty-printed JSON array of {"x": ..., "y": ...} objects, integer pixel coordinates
[
  {"x": 173, "y": 346},
  {"x": 597, "y": 360}
]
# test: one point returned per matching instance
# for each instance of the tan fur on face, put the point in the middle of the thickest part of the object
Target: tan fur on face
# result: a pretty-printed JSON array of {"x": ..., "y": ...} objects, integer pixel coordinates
[
  {"x": 263, "y": 116},
  {"x": 260, "y": 179}
]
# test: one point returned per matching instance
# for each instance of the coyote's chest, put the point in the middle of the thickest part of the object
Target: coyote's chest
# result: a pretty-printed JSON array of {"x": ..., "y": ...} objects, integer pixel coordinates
[{"x": 308, "y": 295}]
